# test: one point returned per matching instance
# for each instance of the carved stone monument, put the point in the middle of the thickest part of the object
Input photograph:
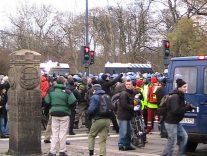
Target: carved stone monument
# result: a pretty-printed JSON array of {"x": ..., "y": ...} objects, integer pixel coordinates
[{"x": 24, "y": 98}]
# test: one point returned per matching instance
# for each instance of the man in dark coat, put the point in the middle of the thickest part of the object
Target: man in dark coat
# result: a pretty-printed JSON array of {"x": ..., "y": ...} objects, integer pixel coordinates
[
  {"x": 125, "y": 114},
  {"x": 176, "y": 109},
  {"x": 106, "y": 86}
]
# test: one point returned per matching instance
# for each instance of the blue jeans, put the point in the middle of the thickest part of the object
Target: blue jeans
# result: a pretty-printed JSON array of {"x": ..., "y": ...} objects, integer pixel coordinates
[
  {"x": 124, "y": 133},
  {"x": 7, "y": 128},
  {"x": 176, "y": 133},
  {"x": 2, "y": 126}
]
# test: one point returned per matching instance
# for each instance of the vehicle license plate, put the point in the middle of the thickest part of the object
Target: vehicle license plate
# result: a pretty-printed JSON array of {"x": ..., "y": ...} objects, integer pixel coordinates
[{"x": 188, "y": 120}]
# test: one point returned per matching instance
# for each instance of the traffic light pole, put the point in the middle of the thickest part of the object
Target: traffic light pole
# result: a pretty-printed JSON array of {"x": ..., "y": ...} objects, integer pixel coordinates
[{"x": 87, "y": 41}]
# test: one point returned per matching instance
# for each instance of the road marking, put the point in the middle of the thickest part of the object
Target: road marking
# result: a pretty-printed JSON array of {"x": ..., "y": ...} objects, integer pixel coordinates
[
  {"x": 82, "y": 136},
  {"x": 69, "y": 137}
]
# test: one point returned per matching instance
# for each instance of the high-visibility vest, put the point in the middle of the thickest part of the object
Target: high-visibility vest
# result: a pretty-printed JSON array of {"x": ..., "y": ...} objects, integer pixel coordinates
[
  {"x": 152, "y": 99},
  {"x": 144, "y": 92},
  {"x": 152, "y": 105}
]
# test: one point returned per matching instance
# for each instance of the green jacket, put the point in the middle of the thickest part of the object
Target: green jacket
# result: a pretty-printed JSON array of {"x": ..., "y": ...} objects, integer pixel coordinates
[{"x": 60, "y": 101}]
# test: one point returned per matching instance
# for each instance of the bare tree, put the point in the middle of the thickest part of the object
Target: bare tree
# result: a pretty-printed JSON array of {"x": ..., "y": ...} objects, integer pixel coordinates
[{"x": 73, "y": 28}]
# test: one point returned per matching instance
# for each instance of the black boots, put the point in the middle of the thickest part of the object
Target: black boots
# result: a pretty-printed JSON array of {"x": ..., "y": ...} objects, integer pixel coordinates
[
  {"x": 71, "y": 133},
  {"x": 62, "y": 154},
  {"x": 91, "y": 152},
  {"x": 76, "y": 125}
]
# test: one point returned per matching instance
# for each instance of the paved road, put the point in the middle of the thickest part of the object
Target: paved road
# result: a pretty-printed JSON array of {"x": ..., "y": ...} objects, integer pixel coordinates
[{"x": 78, "y": 146}]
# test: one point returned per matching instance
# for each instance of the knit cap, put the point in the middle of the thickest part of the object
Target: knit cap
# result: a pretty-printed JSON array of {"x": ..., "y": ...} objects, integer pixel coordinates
[{"x": 180, "y": 83}]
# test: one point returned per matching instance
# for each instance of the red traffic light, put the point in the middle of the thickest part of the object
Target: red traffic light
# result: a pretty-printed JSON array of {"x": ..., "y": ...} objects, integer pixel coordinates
[
  {"x": 86, "y": 49},
  {"x": 167, "y": 44},
  {"x": 92, "y": 53}
]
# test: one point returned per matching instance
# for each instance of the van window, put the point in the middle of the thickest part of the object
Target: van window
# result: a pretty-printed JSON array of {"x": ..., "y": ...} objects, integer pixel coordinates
[
  {"x": 189, "y": 75},
  {"x": 205, "y": 81}
]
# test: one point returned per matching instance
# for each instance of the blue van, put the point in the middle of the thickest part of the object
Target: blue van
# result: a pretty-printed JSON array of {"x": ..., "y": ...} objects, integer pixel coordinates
[{"x": 193, "y": 70}]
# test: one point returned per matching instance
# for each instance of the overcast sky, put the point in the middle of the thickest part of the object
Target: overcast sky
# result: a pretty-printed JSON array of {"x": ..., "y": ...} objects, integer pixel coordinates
[{"x": 8, "y": 7}]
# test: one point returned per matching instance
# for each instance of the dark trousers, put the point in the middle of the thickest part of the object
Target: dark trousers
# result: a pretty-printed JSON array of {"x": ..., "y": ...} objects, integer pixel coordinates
[
  {"x": 72, "y": 119},
  {"x": 115, "y": 123}
]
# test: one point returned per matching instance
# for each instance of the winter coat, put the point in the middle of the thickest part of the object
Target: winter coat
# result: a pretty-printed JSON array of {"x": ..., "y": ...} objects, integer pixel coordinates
[
  {"x": 160, "y": 92},
  {"x": 106, "y": 84},
  {"x": 60, "y": 101},
  {"x": 3, "y": 101},
  {"x": 125, "y": 108},
  {"x": 88, "y": 95},
  {"x": 94, "y": 105},
  {"x": 82, "y": 88},
  {"x": 74, "y": 91},
  {"x": 175, "y": 107},
  {"x": 44, "y": 86}
]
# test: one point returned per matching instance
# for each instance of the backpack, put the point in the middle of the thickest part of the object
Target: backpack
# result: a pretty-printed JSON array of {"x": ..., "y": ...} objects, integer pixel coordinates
[
  {"x": 115, "y": 101},
  {"x": 162, "y": 109},
  {"x": 105, "y": 106}
]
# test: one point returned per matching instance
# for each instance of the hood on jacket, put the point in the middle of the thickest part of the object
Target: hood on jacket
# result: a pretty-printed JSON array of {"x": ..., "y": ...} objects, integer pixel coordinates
[{"x": 99, "y": 92}]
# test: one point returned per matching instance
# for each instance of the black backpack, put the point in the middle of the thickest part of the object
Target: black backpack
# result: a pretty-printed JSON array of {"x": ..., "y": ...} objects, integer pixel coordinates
[
  {"x": 162, "y": 109},
  {"x": 115, "y": 101},
  {"x": 105, "y": 106}
]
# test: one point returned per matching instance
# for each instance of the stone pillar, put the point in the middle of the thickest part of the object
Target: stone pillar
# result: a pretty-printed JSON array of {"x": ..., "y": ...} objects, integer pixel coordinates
[{"x": 24, "y": 98}]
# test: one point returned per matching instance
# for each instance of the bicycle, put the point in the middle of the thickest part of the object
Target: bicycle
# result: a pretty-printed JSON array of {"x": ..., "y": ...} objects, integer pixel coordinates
[{"x": 138, "y": 130}]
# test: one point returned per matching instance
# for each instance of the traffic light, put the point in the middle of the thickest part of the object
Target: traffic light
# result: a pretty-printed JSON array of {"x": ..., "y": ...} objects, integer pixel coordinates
[
  {"x": 166, "y": 48},
  {"x": 86, "y": 53},
  {"x": 92, "y": 55},
  {"x": 85, "y": 50}
]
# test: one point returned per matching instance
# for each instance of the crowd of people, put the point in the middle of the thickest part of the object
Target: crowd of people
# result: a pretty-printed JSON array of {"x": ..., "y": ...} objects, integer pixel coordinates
[
  {"x": 74, "y": 101},
  {"x": 84, "y": 111}
]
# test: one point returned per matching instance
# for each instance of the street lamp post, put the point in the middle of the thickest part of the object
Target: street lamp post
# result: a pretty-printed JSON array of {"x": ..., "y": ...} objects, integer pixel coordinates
[{"x": 87, "y": 41}]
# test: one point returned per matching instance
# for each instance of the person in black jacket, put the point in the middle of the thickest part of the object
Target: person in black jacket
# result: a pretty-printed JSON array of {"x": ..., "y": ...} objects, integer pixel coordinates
[
  {"x": 176, "y": 108},
  {"x": 160, "y": 93},
  {"x": 106, "y": 85},
  {"x": 124, "y": 115},
  {"x": 71, "y": 87}
]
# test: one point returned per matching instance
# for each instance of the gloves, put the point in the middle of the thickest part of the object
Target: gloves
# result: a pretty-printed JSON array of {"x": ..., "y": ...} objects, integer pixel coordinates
[{"x": 136, "y": 108}]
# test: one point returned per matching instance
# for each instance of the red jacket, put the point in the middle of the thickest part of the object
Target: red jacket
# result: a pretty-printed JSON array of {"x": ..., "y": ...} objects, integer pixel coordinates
[{"x": 44, "y": 86}]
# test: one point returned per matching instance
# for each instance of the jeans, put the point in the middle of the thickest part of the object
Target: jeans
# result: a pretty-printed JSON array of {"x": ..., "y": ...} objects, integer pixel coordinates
[
  {"x": 124, "y": 133},
  {"x": 7, "y": 128},
  {"x": 176, "y": 133},
  {"x": 2, "y": 126}
]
